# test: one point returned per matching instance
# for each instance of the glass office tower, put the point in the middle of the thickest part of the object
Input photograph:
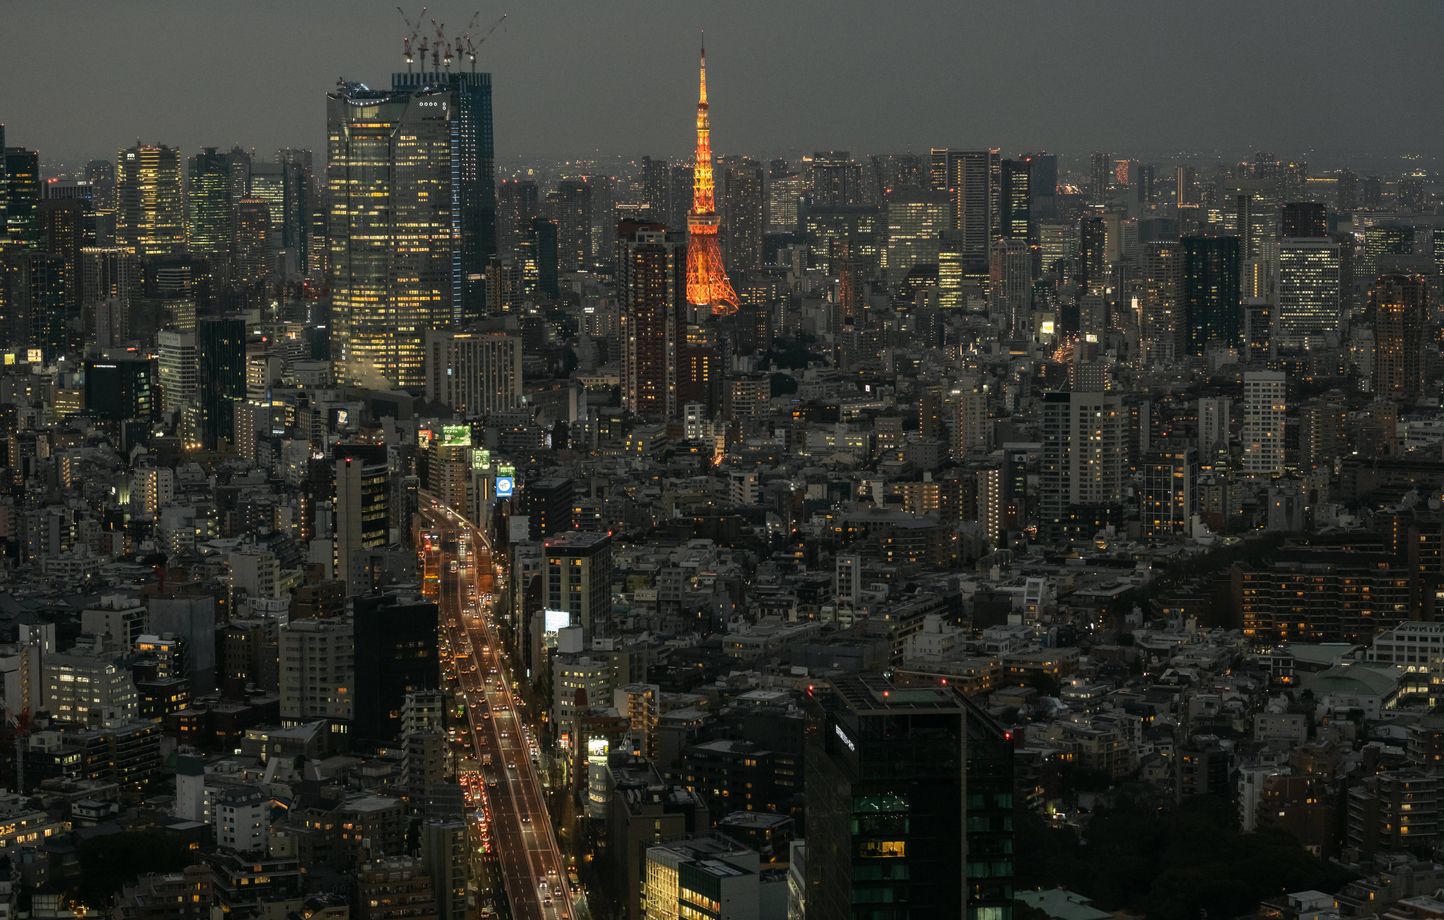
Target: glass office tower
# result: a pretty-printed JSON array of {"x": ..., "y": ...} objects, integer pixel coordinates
[
  {"x": 389, "y": 170},
  {"x": 473, "y": 178}
]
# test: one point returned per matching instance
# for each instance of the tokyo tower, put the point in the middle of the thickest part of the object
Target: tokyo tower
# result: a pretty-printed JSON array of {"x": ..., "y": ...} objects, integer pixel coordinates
[{"x": 707, "y": 284}]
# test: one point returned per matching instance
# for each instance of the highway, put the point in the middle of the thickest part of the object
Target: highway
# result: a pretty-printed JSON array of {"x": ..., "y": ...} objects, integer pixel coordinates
[{"x": 521, "y": 831}]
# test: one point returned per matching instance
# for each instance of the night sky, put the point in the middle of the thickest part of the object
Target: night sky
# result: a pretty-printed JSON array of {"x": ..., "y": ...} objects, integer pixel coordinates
[{"x": 572, "y": 78}]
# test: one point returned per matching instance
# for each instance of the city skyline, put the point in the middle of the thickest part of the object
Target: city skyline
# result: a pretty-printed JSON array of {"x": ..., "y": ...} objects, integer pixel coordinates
[
  {"x": 1297, "y": 83},
  {"x": 1001, "y": 478}
]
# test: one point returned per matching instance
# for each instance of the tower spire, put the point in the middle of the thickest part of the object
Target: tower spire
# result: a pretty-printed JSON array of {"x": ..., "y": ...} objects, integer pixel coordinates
[
  {"x": 702, "y": 71},
  {"x": 707, "y": 283}
]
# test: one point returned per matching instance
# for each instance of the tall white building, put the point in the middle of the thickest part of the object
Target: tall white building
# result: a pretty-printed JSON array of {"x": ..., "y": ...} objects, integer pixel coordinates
[
  {"x": 1264, "y": 408},
  {"x": 475, "y": 373},
  {"x": 178, "y": 367},
  {"x": 1309, "y": 302}
]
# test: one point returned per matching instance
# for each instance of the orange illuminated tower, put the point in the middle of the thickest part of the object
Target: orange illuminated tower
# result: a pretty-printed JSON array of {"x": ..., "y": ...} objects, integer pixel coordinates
[{"x": 707, "y": 283}]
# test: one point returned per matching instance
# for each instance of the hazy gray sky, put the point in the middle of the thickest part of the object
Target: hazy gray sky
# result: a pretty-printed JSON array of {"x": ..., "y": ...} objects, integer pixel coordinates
[{"x": 618, "y": 76}]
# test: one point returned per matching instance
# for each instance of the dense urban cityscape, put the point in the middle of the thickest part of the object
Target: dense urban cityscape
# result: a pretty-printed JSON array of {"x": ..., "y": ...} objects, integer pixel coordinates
[{"x": 412, "y": 528}]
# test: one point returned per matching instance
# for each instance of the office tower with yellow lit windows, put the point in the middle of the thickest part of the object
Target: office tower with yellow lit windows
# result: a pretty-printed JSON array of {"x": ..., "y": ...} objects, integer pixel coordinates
[
  {"x": 150, "y": 211},
  {"x": 1309, "y": 292},
  {"x": 473, "y": 172},
  {"x": 391, "y": 231}
]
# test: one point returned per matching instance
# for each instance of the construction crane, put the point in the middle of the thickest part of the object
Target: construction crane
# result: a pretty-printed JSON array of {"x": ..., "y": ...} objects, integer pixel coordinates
[
  {"x": 439, "y": 46},
  {"x": 409, "y": 41},
  {"x": 472, "y": 46}
]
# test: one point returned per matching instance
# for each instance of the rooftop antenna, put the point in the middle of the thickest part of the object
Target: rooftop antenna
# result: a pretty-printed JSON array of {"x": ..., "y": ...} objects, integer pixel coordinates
[
  {"x": 408, "y": 43},
  {"x": 472, "y": 46}
]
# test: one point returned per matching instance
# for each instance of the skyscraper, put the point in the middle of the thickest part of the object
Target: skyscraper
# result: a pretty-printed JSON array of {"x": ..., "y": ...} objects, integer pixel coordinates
[
  {"x": 972, "y": 179},
  {"x": 656, "y": 182},
  {"x": 210, "y": 212},
  {"x": 38, "y": 293},
  {"x": 391, "y": 228},
  {"x": 1211, "y": 292},
  {"x": 573, "y": 214},
  {"x": 1309, "y": 297},
  {"x": 915, "y": 222},
  {"x": 742, "y": 212},
  {"x": 293, "y": 220},
  {"x": 62, "y": 228},
  {"x": 150, "y": 217},
  {"x": 396, "y": 654},
  {"x": 221, "y": 348},
  {"x": 1304, "y": 218},
  {"x": 1082, "y": 463},
  {"x": 887, "y": 801},
  {"x": 1400, "y": 305},
  {"x": 1158, "y": 302},
  {"x": 1015, "y": 201},
  {"x": 1264, "y": 411},
  {"x": 542, "y": 246},
  {"x": 652, "y": 278},
  {"x": 362, "y": 501},
  {"x": 110, "y": 280},
  {"x": 177, "y": 368},
  {"x": 836, "y": 179},
  {"x": 707, "y": 282},
  {"x": 1011, "y": 288},
  {"x": 517, "y": 203},
  {"x": 473, "y": 175},
  {"x": 253, "y": 242},
  {"x": 21, "y": 174}
]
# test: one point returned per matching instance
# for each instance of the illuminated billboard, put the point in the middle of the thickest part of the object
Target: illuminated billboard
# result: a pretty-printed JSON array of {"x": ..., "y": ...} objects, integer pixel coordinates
[
  {"x": 555, "y": 620},
  {"x": 456, "y": 435},
  {"x": 505, "y": 486}
]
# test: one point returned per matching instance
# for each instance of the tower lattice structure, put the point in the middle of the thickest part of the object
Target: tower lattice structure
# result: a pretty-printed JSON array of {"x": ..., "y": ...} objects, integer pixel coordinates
[{"x": 707, "y": 283}]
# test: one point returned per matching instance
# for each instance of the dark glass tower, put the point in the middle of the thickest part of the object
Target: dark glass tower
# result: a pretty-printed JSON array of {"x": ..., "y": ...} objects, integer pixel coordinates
[
  {"x": 473, "y": 186},
  {"x": 1015, "y": 201},
  {"x": 1211, "y": 310},
  {"x": 989, "y": 810},
  {"x": 221, "y": 343},
  {"x": 887, "y": 795},
  {"x": 119, "y": 390},
  {"x": 22, "y": 197},
  {"x": 396, "y": 651}
]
